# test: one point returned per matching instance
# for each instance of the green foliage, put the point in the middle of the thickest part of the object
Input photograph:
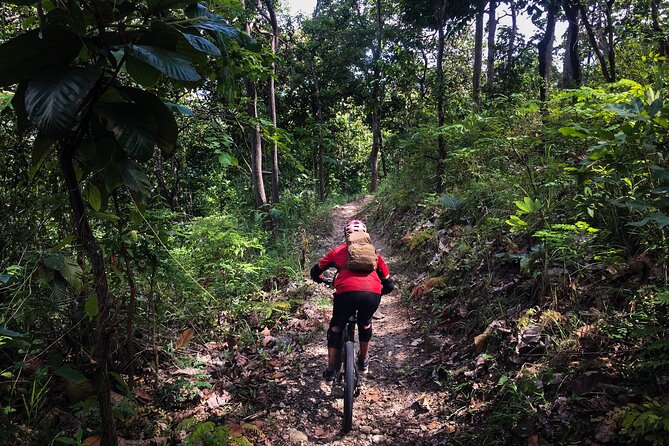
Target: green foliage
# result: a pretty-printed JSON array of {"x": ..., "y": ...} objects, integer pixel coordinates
[
  {"x": 209, "y": 434},
  {"x": 418, "y": 239},
  {"x": 647, "y": 421}
]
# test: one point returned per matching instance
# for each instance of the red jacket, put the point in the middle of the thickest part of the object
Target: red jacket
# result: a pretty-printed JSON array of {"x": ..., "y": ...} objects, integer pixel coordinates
[{"x": 348, "y": 280}]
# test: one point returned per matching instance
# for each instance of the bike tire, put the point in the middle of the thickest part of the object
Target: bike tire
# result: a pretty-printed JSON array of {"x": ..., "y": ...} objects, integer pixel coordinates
[{"x": 349, "y": 385}]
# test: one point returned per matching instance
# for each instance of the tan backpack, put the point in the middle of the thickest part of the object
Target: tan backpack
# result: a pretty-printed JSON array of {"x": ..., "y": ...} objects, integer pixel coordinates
[{"x": 361, "y": 253}]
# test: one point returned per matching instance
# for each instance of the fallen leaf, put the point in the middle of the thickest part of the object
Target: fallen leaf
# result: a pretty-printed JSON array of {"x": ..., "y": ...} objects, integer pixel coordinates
[
  {"x": 432, "y": 425},
  {"x": 143, "y": 395},
  {"x": 185, "y": 338},
  {"x": 450, "y": 429},
  {"x": 277, "y": 375},
  {"x": 92, "y": 441},
  {"x": 275, "y": 363},
  {"x": 235, "y": 429},
  {"x": 422, "y": 404},
  {"x": 320, "y": 432},
  {"x": 215, "y": 400},
  {"x": 372, "y": 395},
  {"x": 533, "y": 440},
  {"x": 586, "y": 331},
  {"x": 265, "y": 332},
  {"x": 116, "y": 398},
  {"x": 480, "y": 340},
  {"x": 189, "y": 371}
]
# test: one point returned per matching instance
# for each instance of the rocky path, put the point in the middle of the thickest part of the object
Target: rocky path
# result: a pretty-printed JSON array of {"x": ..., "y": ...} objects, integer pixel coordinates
[{"x": 400, "y": 404}]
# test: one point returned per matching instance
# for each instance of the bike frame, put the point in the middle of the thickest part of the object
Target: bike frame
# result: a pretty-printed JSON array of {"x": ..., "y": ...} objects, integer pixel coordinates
[{"x": 347, "y": 336}]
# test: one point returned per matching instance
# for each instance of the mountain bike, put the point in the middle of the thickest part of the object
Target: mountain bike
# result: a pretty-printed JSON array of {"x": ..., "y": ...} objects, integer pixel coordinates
[{"x": 348, "y": 375}]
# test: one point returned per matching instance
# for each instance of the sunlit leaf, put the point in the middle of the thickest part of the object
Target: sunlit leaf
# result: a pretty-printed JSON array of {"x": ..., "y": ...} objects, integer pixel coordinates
[
  {"x": 41, "y": 147},
  {"x": 184, "y": 338},
  {"x": 94, "y": 198},
  {"x": 91, "y": 306}
]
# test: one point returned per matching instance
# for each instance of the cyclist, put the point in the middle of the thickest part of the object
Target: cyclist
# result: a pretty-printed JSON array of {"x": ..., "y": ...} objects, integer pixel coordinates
[{"x": 354, "y": 290}]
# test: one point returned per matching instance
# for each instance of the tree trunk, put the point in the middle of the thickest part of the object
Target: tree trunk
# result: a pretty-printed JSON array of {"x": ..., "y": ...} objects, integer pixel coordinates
[
  {"x": 478, "y": 59},
  {"x": 274, "y": 44},
  {"x": 512, "y": 37},
  {"x": 318, "y": 161},
  {"x": 131, "y": 307},
  {"x": 374, "y": 156},
  {"x": 611, "y": 39},
  {"x": 441, "y": 143},
  {"x": 255, "y": 138},
  {"x": 130, "y": 317},
  {"x": 593, "y": 41},
  {"x": 571, "y": 73},
  {"x": 492, "y": 28},
  {"x": 317, "y": 110},
  {"x": 377, "y": 140},
  {"x": 105, "y": 327},
  {"x": 545, "y": 47},
  {"x": 657, "y": 28},
  {"x": 170, "y": 196}
]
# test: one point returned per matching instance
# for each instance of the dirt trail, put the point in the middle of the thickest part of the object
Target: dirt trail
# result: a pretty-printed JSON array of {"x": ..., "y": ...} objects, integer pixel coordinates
[{"x": 400, "y": 404}]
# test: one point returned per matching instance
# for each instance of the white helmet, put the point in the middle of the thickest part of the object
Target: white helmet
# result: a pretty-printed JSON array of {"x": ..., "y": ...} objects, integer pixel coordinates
[{"x": 354, "y": 226}]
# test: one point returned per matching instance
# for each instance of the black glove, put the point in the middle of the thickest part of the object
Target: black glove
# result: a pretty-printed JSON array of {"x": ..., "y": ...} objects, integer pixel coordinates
[
  {"x": 315, "y": 274},
  {"x": 387, "y": 285}
]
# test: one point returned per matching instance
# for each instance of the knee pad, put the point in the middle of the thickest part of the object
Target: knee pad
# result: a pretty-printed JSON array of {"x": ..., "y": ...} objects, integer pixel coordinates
[
  {"x": 334, "y": 338},
  {"x": 365, "y": 333}
]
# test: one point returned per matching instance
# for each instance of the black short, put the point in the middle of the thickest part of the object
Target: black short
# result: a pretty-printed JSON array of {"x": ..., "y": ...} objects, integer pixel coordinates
[{"x": 346, "y": 304}]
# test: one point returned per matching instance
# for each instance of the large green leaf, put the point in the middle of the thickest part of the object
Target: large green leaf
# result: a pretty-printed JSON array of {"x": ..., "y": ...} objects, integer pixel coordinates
[
  {"x": 206, "y": 20},
  {"x": 54, "y": 97},
  {"x": 170, "y": 63},
  {"x": 91, "y": 306},
  {"x": 141, "y": 72},
  {"x": 68, "y": 373},
  {"x": 166, "y": 126},
  {"x": 203, "y": 45},
  {"x": 133, "y": 128},
  {"x": 94, "y": 197},
  {"x": 67, "y": 267},
  {"x": 161, "y": 5},
  {"x": 134, "y": 177},
  {"x": 24, "y": 56},
  {"x": 41, "y": 147},
  {"x": 19, "y": 106}
]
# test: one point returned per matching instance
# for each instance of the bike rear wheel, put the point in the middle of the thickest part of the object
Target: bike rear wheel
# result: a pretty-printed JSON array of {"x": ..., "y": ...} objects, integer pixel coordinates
[{"x": 350, "y": 379}]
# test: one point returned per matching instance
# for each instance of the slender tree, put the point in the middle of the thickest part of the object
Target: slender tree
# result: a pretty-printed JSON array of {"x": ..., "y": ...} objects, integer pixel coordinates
[
  {"x": 492, "y": 27},
  {"x": 571, "y": 73},
  {"x": 377, "y": 138},
  {"x": 478, "y": 58},
  {"x": 609, "y": 76},
  {"x": 513, "y": 34},
  {"x": 663, "y": 47},
  {"x": 255, "y": 136},
  {"x": 271, "y": 96},
  {"x": 545, "y": 47},
  {"x": 440, "y": 14}
]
